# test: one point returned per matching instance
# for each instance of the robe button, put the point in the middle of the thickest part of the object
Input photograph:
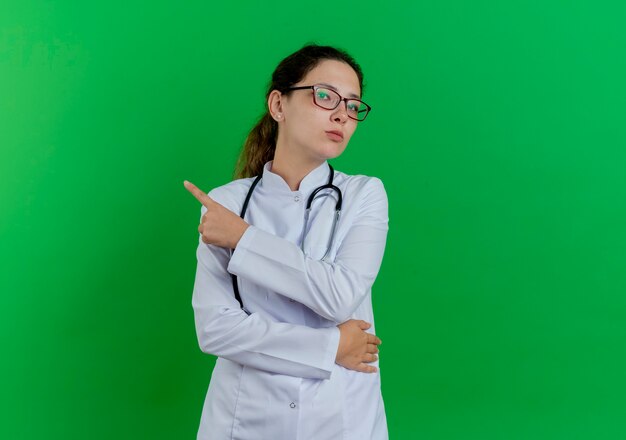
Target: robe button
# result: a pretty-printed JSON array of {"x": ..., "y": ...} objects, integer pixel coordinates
[{"x": 293, "y": 405}]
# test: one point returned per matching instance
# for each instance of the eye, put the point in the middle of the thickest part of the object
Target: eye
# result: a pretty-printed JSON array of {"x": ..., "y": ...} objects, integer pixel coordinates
[{"x": 322, "y": 94}]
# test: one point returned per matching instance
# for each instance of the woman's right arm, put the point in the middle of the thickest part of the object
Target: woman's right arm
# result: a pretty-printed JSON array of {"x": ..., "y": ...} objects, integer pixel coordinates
[{"x": 224, "y": 329}]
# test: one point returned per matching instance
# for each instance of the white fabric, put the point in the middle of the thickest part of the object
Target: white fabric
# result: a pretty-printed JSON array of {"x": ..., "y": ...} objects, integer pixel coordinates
[{"x": 275, "y": 377}]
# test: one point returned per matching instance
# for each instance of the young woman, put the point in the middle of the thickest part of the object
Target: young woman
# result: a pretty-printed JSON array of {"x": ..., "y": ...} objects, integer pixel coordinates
[{"x": 282, "y": 293}]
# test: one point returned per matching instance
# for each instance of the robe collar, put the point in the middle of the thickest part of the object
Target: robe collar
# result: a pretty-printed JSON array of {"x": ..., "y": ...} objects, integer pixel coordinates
[{"x": 316, "y": 177}]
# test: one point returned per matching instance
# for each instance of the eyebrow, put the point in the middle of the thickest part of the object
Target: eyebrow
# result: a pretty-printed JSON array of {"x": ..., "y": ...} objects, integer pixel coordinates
[{"x": 351, "y": 95}]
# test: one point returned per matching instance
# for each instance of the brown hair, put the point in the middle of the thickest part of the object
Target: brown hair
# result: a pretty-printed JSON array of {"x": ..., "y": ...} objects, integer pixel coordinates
[{"x": 260, "y": 145}]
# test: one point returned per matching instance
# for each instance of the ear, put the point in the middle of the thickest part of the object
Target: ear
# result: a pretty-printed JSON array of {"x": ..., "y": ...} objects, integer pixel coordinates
[{"x": 275, "y": 106}]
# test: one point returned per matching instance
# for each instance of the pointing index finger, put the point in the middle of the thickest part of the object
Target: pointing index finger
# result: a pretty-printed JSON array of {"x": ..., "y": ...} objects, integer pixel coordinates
[{"x": 198, "y": 193}]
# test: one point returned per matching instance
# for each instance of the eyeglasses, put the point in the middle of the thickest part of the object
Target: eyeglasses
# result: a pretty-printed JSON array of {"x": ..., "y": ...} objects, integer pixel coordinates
[{"x": 329, "y": 99}]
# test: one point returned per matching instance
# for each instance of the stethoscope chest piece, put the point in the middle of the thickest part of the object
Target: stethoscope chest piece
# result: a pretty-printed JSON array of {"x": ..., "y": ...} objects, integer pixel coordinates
[{"x": 336, "y": 216}]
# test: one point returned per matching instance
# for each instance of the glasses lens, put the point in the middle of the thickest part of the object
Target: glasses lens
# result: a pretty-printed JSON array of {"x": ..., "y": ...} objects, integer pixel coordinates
[
  {"x": 357, "y": 109},
  {"x": 326, "y": 98}
]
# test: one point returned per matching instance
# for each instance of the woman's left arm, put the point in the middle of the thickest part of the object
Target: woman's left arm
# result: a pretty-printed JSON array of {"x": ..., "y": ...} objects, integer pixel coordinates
[{"x": 332, "y": 289}]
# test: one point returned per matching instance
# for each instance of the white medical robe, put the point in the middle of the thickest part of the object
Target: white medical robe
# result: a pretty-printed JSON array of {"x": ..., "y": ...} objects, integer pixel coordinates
[{"x": 275, "y": 377}]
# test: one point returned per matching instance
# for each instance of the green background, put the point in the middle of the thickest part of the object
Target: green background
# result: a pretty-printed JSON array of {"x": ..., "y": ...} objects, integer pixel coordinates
[{"x": 498, "y": 129}]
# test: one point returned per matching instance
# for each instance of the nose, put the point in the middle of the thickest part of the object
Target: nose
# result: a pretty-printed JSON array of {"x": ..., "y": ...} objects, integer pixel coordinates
[{"x": 341, "y": 112}]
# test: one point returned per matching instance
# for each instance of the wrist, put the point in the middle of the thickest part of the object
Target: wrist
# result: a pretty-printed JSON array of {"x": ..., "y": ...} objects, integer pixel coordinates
[{"x": 240, "y": 233}]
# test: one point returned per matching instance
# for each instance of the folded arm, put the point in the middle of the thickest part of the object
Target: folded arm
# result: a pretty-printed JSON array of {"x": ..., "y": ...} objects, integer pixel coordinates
[
  {"x": 331, "y": 289},
  {"x": 224, "y": 329}
]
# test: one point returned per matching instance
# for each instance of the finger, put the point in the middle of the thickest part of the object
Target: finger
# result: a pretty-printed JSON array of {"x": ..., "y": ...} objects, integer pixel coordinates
[
  {"x": 363, "y": 368},
  {"x": 372, "y": 348},
  {"x": 198, "y": 193},
  {"x": 367, "y": 368},
  {"x": 369, "y": 357},
  {"x": 364, "y": 325},
  {"x": 373, "y": 339}
]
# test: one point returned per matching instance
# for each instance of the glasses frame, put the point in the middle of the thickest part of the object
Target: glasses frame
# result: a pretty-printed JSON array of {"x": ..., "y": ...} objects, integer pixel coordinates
[{"x": 341, "y": 99}]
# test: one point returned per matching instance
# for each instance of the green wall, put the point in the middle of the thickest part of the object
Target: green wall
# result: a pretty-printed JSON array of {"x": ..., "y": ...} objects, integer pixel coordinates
[{"x": 497, "y": 127}]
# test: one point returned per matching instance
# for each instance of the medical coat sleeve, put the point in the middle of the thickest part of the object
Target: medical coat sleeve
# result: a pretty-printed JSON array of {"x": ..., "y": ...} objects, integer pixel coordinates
[
  {"x": 331, "y": 289},
  {"x": 224, "y": 329}
]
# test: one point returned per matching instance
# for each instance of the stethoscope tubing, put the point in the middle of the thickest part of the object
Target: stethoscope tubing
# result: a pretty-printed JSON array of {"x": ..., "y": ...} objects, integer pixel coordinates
[{"x": 307, "y": 212}]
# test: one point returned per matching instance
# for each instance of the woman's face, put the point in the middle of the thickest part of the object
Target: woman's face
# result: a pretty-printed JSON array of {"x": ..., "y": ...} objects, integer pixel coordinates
[{"x": 303, "y": 127}]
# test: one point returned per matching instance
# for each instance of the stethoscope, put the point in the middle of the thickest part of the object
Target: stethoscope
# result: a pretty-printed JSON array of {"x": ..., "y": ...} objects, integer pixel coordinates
[{"x": 307, "y": 212}]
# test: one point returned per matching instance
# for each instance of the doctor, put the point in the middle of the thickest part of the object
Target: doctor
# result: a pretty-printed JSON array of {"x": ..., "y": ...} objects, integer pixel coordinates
[{"x": 283, "y": 295}]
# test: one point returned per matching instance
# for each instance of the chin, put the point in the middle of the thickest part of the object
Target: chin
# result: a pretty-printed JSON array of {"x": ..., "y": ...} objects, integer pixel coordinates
[
  {"x": 332, "y": 149},
  {"x": 332, "y": 155}
]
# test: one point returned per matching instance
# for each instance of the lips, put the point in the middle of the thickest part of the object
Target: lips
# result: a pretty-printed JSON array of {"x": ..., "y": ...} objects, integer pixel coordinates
[{"x": 336, "y": 134}]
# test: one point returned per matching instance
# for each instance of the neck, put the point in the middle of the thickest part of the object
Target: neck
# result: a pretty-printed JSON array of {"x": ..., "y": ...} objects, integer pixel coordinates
[{"x": 292, "y": 169}]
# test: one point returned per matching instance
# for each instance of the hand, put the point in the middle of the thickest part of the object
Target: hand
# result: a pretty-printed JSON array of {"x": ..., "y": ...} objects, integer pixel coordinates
[
  {"x": 356, "y": 346},
  {"x": 219, "y": 225}
]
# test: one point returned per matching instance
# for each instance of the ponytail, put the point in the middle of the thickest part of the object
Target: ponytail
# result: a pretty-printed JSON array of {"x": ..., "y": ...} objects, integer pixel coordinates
[{"x": 258, "y": 148}]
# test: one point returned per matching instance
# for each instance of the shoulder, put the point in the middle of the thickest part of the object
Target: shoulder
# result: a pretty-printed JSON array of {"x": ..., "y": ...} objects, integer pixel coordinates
[
  {"x": 232, "y": 194},
  {"x": 361, "y": 186},
  {"x": 366, "y": 197}
]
